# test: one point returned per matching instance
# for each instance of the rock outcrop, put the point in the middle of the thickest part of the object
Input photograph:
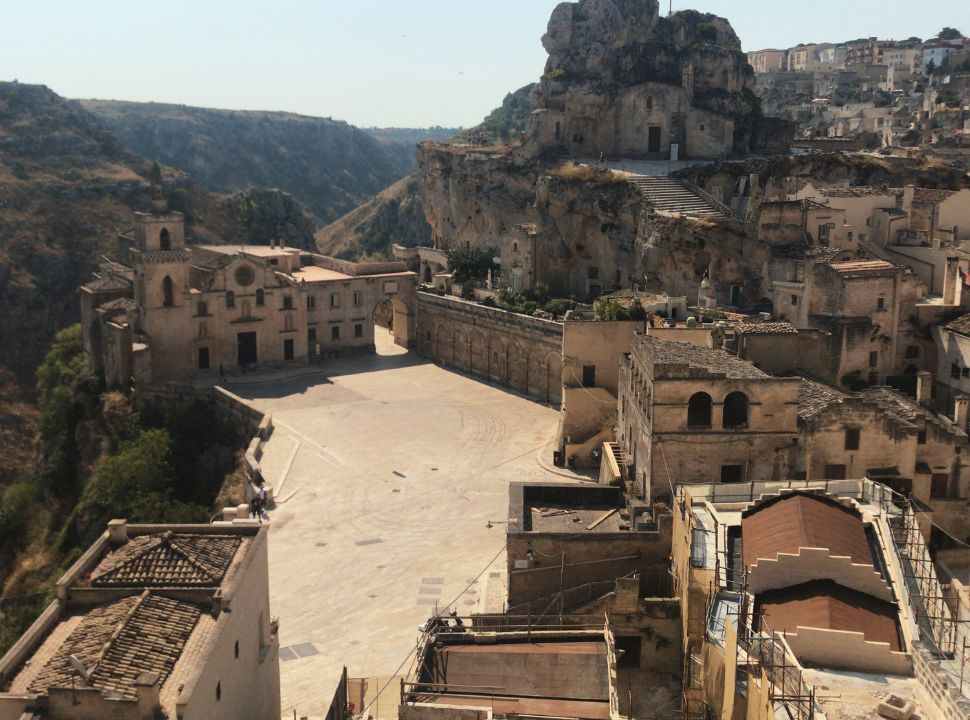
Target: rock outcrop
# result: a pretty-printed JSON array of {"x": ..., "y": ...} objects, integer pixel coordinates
[{"x": 622, "y": 80}]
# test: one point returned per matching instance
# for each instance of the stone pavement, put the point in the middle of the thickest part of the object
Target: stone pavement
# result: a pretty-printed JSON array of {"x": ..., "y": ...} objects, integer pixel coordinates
[{"x": 387, "y": 470}]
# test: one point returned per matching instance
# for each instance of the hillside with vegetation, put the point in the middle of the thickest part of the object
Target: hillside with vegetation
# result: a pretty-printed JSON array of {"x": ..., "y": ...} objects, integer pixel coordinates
[
  {"x": 396, "y": 215},
  {"x": 99, "y": 459},
  {"x": 330, "y": 167},
  {"x": 68, "y": 186}
]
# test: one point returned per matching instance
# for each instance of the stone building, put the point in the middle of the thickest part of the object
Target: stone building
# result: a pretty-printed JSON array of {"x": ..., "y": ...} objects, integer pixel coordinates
[
  {"x": 953, "y": 364},
  {"x": 153, "y": 619},
  {"x": 690, "y": 414},
  {"x": 190, "y": 310},
  {"x": 783, "y": 583}
]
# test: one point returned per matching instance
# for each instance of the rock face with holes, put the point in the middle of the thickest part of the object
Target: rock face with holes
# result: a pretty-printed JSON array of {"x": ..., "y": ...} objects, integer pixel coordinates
[{"x": 622, "y": 80}]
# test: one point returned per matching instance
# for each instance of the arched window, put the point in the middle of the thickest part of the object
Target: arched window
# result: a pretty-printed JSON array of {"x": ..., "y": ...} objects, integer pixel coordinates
[
  {"x": 168, "y": 292},
  {"x": 427, "y": 273},
  {"x": 699, "y": 410},
  {"x": 649, "y": 103},
  {"x": 260, "y": 298},
  {"x": 735, "y": 410},
  {"x": 164, "y": 241},
  {"x": 230, "y": 299}
]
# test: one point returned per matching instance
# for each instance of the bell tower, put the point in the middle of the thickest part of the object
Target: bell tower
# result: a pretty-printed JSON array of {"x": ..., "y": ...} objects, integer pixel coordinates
[{"x": 161, "y": 263}]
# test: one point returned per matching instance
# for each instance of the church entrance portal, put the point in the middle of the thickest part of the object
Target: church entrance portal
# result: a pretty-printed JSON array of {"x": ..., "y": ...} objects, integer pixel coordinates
[{"x": 246, "y": 348}]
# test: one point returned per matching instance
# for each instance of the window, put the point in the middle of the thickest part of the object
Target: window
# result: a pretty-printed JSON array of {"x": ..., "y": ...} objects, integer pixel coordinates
[
  {"x": 873, "y": 359},
  {"x": 794, "y": 299},
  {"x": 230, "y": 299},
  {"x": 334, "y": 300},
  {"x": 165, "y": 240},
  {"x": 203, "y": 358},
  {"x": 202, "y": 309},
  {"x": 589, "y": 376},
  {"x": 649, "y": 103},
  {"x": 237, "y": 649},
  {"x": 287, "y": 302},
  {"x": 218, "y": 691},
  {"x": 834, "y": 472},
  {"x": 247, "y": 309},
  {"x": 515, "y": 247},
  {"x": 732, "y": 473},
  {"x": 938, "y": 485},
  {"x": 852, "y": 438},
  {"x": 311, "y": 302},
  {"x": 735, "y": 410},
  {"x": 358, "y": 330},
  {"x": 287, "y": 322},
  {"x": 699, "y": 410},
  {"x": 912, "y": 351},
  {"x": 335, "y": 332},
  {"x": 260, "y": 297},
  {"x": 955, "y": 371},
  {"x": 168, "y": 292},
  {"x": 880, "y": 303},
  {"x": 287, "y": 349},
  {"x": 356, "y": 298},
  {"x": 592, "y": 273},
  {"x": 862, "y": 237},
  {"x": 921, "y": 436},
  {"x": 203, "y": 330}
]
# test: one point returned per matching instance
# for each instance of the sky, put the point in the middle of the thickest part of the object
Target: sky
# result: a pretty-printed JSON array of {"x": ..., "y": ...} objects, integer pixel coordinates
[{"x": 383, "y": 63}]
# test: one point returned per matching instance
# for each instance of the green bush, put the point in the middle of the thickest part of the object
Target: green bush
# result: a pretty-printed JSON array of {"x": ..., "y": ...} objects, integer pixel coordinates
[
  {"x": 707, "y": 32},
  {"x": 470, "y": 263}
]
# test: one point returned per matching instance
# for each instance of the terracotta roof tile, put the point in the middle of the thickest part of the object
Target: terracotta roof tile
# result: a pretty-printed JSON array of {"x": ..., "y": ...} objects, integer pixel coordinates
[
  {"x": 765, "y": 328},
  {"x": 168, "y": 560},
  {"x": 699, "y": 361},
  {"x": 960, "y": 326},
  {"x": 118, "y": 641}
]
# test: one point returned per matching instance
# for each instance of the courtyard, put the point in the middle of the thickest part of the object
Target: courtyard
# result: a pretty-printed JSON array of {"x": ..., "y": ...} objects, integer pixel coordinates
[{"x": 387, "y": 471}]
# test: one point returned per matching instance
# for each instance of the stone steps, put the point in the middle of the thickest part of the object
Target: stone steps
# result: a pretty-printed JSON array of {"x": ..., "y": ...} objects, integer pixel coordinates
[{"x": 669, "y": 195}]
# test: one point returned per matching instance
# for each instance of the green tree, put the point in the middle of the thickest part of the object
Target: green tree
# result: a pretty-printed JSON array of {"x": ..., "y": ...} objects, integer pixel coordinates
[
  {"x": 949, "y": 33},
  {"x": 470, "y": 263}
]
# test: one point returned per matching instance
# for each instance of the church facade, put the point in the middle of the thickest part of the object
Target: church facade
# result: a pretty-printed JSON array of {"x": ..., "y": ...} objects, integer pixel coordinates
[{"x": 166, "y": 310}]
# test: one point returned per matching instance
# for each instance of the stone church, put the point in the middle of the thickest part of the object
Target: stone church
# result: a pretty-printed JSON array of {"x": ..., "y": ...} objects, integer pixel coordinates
[{"x": 166, "y": 310}]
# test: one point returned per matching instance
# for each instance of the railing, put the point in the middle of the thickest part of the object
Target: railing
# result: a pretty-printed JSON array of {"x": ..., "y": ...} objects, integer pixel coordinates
[{"x": 726, "y": 209}]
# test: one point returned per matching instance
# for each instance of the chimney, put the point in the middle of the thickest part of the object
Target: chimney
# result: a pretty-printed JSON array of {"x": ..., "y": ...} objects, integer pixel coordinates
[
  {"x": 951, "y": 280},
  {"x": 117, "y": 532},
  {"x": 924, "y": 387},
  {"x": 908, "y": 192},
  {"x": 147, "y": 689},
  {"x": 960, "y": 405},
  {"x": 282, "y": 243}
]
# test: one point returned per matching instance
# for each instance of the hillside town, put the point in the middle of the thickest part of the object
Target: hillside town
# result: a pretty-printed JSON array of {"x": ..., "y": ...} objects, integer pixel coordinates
[{"x": 670, "y": 420}]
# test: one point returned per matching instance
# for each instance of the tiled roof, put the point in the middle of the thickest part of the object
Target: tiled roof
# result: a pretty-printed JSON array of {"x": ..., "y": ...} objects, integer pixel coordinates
[
  {"x": 708, "y": 360},
  {"x": 926, "y": 195},
  {"x": 863, "y": 268},
  {"x": 122, "y": 304},
  {"x": 858, "y": 191},
  {"x": 814, "y": 397},
  {"x": 765, "y": 328},
  {"x": 626, "y": 297},
  {"x": 110, "y": 283},
  {"x": 211, "y": 260},
  {"x": 822, "y": 253},
  {"x": 960, "y": 326},
  {"x": 118, "y": 641},
  {"x": 168, "y": 560}
]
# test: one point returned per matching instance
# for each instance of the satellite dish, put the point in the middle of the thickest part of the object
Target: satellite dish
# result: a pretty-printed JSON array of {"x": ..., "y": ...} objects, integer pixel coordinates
[{"x": 79, "y": 667}]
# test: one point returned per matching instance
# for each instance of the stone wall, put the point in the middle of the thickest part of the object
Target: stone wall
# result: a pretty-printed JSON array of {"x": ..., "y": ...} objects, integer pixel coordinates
[{"x": 515, "y": 351}]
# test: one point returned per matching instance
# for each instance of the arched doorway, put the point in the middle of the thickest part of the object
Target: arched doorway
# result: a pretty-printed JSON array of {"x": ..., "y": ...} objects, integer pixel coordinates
[{"x": 391, "y": 318}]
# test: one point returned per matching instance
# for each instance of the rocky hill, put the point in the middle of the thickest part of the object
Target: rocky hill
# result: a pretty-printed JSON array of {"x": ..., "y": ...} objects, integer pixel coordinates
[
  {"x": 394, "y": 216},
  {"x": 68, "y": 185},
  {"x": 327, "y": 165}
]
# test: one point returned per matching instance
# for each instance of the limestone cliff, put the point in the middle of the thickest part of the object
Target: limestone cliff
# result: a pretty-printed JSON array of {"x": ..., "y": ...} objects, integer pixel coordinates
[{"x": 622, "y": 80}]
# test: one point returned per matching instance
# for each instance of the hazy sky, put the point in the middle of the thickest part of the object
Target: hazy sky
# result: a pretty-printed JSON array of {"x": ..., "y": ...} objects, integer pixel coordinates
[{"x": 371, "y": 62}]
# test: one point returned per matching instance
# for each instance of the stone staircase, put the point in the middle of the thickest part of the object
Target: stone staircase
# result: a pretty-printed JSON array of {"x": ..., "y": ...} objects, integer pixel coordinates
[{"x": 666, "y": 194}]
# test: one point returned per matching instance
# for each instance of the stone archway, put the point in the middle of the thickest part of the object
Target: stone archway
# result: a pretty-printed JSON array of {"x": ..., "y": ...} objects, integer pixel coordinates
[
  {"x": 479, "y": 354},
  {"x": 518, "y": 369},
  {"x": 392, "y": 314},
  {"x": 461, "y": 350},
  {"x": 498, "y": 361}
]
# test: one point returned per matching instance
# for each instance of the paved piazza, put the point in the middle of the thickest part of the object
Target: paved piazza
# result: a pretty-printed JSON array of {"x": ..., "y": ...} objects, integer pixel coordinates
[{"x": 388, "y": 469}]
